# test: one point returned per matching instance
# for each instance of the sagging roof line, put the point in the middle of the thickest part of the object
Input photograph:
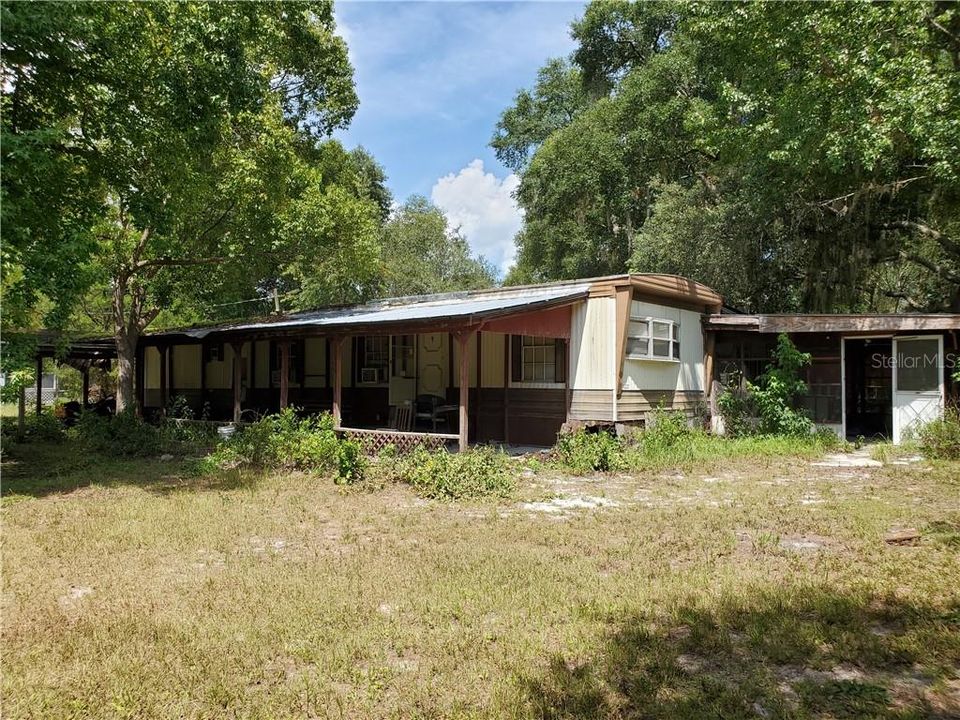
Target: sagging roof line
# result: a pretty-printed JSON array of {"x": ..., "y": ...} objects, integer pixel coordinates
[{"x": 410, "y": 309}]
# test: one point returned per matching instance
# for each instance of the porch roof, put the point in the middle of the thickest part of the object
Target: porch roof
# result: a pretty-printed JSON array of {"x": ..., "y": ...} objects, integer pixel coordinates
[
  {"x": 463, "y": 309},
  {"x": 822, "y": 323}
]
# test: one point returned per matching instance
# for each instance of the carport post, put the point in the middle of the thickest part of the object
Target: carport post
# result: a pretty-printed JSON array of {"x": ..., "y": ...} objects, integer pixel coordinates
[{"x": 86, "y": 386}]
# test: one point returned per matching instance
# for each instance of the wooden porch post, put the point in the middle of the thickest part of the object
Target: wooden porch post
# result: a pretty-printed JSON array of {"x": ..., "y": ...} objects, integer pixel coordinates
[
  {"x": 39, "y": 386},
  {"x": 476, "y": 410},
  {"x": 335, "y": 351},
  {"x": 710, "y": 347},
  {"x": 237, "y": 349},
  {"x": 163, "y": 378},
  {"x": 203, "y": 376},
  {"x": 140, "y": 378},
  {"x": 86, "y": 386},
  {"x": 506, "y": 389},
  {"x": 463, "y": 338},
  {"x": 284, "y": 373}
]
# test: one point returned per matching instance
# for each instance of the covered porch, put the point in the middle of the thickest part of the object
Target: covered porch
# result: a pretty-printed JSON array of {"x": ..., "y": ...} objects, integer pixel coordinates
[{"x": 457, "y": 370}]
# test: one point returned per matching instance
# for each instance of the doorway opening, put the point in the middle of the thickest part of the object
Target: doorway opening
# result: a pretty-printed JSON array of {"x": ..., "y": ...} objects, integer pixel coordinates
[{"x": 868, "y": 387}]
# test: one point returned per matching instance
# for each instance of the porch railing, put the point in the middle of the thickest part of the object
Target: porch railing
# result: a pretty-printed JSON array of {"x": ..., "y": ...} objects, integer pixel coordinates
[{"x": 375, "y": 441}]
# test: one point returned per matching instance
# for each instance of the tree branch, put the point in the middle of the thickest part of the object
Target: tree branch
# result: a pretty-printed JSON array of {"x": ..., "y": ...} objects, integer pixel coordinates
[
  {"x": 947, "y": 243},
  {"x": 938, "y": 270}
]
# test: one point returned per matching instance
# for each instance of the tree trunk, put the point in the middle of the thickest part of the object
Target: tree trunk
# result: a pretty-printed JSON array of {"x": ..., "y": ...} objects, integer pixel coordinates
[
  {"x": 126, "y": 333},
  {"x": 126, "y": 357}
]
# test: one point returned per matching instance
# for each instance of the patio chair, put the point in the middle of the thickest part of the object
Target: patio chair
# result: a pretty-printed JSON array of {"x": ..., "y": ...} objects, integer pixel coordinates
[
  {"x": 427, "y": 411},
  {"x": 402, "y": 418}
]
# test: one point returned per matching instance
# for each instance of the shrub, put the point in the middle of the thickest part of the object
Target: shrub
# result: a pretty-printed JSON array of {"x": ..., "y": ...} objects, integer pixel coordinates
[
  {"x": 287, "y": 441},
  {"x": 665, "y": 429},
  {"x": 769, "y": 405},
  {"x": 583, "y": 452},
  {"x": 44, "y": 427},
  {"x": 738, "y": 412},
  {"x": 478, "y": 472},
  {"x": 778, "y": 390},
  {"x": 940, "y": 439},
  {"x": 122, "y": 434}
]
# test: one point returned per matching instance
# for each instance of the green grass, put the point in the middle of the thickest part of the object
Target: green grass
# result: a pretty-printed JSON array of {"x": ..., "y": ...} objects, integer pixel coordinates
[{"x": 133, "y": 588}]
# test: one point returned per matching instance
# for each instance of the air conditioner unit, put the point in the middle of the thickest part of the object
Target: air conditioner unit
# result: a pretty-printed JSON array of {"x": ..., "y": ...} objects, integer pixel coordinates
[{"x": 369, "y": 376}]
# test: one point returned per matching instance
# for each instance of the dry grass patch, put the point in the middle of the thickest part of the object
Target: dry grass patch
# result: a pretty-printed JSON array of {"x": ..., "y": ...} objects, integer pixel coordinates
[{"x": 132, "y": 589}]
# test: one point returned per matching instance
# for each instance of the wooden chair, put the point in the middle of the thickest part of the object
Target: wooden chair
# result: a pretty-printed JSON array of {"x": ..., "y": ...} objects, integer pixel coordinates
[{"x": 403, "y": 418}]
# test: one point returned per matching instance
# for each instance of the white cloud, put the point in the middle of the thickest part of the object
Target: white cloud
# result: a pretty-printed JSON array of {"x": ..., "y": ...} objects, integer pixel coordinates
[
  {"x": 482, "y": 205},
  {"x": 416, "y": 58}
]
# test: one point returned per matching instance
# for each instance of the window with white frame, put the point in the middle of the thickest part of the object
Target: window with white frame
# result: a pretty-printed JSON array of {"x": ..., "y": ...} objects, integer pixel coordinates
[{"x": 653, "y": 339}]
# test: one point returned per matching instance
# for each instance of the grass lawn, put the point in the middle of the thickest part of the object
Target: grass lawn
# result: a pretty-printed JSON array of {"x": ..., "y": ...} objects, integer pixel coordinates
[{"x": 758, "y": 588}]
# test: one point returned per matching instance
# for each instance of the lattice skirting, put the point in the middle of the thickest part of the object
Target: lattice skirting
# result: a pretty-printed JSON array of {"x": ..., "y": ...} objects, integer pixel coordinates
[{"x": 375, "y": 441}]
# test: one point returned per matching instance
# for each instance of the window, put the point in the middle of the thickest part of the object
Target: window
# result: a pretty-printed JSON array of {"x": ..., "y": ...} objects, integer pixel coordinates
[
  {"x": 538, "y": 359},
  {"x": 918, "y": 365},
  {"x": 653, "y": 339},
  {"x": 214, "y": 352},
  {"x": 404, "y": 355},
  {"x": 373, "y": 359}
]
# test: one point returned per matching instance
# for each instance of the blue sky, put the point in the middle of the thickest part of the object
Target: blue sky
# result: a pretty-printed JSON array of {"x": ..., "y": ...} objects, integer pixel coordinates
[{"x": 433, "y": 78}]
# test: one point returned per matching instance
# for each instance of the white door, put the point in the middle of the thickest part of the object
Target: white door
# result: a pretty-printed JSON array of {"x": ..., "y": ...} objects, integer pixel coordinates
[
  {"x": 917, "y": 383},
  {"x": 432, "y": 361}
]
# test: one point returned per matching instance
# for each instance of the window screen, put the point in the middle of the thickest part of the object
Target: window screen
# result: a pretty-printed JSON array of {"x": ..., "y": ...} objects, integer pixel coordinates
[{"x": 918, "y": 365}]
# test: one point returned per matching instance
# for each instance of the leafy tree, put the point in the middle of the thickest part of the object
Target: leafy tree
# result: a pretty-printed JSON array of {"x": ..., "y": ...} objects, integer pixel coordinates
[
  {"x": 422, "y": 254},
  {"x": 556, "y": 99},
  {"x": 795, "y": 156},
  {"x": 162, "y": 149}
]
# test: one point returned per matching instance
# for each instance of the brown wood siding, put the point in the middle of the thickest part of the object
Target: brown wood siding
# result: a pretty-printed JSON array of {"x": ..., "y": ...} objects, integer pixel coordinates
[{"x": 536, "y": 415}]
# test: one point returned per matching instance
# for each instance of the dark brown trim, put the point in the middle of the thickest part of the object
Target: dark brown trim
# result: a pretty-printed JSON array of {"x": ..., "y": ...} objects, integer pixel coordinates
[
  {"x": 449, "y": 361},
  {"x": 284, "y": 374},
  {"x": 140, "y": 379},
  {"x": 506, "y": 389},
  {"x": 833, "y": 323},
  {"x": 237, "y": 378},
  {"x": 337, "y": 381}
]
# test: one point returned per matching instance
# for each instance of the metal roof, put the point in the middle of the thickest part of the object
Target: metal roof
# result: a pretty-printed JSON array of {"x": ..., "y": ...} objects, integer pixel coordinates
[{"x": 465, "y": 307}]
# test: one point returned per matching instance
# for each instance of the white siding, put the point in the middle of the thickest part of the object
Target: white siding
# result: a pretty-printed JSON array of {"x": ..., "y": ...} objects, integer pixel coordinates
[
  {"x": 685, "y": 375},
  {"x": 592, "y": 340}
]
